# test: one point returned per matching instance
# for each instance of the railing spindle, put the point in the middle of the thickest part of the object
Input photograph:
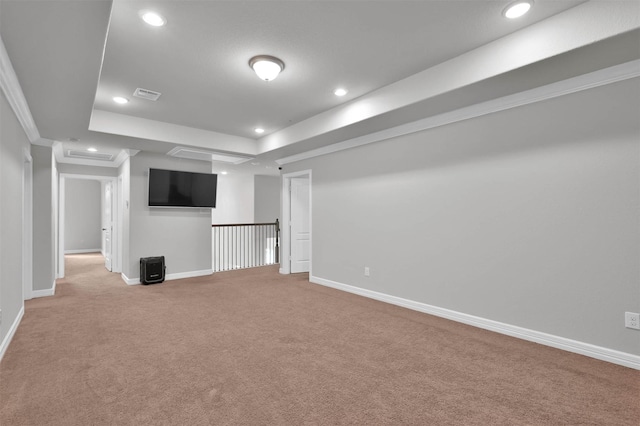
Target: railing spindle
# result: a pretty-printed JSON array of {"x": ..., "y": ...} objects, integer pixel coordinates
[{"x": 246, "y": 245}]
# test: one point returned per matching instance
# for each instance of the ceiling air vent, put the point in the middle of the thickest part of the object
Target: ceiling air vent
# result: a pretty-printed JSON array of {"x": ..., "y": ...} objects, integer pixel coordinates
[
  {"x": 89, "y": 155},
  {"x": 149, "y": 95}
]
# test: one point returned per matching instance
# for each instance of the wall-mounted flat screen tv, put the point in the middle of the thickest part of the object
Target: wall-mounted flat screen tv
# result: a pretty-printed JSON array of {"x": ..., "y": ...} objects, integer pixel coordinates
[{"x": 171, "y": 188}]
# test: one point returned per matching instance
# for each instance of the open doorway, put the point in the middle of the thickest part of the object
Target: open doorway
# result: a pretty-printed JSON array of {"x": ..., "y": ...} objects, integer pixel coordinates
[
  {"x": 90, "y": 223},
  {"x": 296, "y": 224}
]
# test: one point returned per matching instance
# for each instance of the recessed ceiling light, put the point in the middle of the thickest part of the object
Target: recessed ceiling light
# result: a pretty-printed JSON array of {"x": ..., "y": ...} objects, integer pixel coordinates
[
  {"x": 223, "y": 173},
  {"x": 153, "y": 18},
  {"x": 92, "y": 149},
  {"x": 340, "y": 92},
  {"x": 517, "y": 9},
  {"x": 258, "y": 130},
  {"x": 120, "y": 100},
  {"x": 266, "y": 67}
]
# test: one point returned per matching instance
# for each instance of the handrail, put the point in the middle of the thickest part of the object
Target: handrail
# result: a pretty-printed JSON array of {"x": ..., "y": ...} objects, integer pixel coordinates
[
  {"x": 244, "y": 224},
  {"x": 245, "y": 245}
]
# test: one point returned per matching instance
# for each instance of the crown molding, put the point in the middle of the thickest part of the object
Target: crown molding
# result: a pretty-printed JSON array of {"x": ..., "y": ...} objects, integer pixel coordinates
[
  {"x": 123, "y": 155},
  {"x": 591, "y": 80},
  {"x": 13, "y": 92}
]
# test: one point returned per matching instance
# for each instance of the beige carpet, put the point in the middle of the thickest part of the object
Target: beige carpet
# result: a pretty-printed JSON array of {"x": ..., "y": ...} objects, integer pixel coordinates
[{"x": 254, "y": 347}]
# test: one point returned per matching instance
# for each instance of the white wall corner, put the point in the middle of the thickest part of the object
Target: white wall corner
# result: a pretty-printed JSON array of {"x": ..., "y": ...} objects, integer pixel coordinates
[
  {"x": 582, "y": 348},
  {"x": 12, "y": 330},
  {"x": 44, "y": 293},
  {"x": 13, "y": 92},
  {"x": 130, "y": 281}
]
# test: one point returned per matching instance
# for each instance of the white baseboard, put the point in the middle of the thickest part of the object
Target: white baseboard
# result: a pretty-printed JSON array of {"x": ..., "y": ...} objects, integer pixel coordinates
[
  {"x": 12, "y": 331},
  {"x": 130, "y": 281},
  {"x": 81, "y": 251},
  {"x": 44, "y": 293},
  {"x": 191, "y": 274},
  {"x": 169, "y": 277},
  {"x": 587, "y": 349}
]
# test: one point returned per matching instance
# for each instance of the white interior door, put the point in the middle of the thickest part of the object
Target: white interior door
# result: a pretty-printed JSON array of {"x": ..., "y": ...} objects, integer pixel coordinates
[
  {"x": 107, "y": 224},
  {"x": 300, "y": 225}
]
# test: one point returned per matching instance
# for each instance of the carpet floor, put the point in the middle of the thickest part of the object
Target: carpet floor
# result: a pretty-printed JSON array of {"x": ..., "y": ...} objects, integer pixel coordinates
[{"x": 254, "y": 347}]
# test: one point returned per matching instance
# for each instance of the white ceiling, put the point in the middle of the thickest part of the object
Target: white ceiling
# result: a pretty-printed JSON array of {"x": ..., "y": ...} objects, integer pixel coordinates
[{"x": 72, "y": 57}]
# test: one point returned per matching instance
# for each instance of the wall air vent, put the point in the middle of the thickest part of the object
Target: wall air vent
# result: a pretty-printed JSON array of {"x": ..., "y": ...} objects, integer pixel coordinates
[
  {"x": 205, "y": 155},
  {"x": 89, "y": 155},
  {"x": 149, "y": 95}
]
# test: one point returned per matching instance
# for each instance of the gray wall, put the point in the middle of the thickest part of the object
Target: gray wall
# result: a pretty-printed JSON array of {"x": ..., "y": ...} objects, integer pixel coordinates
[
  {"x": 43, "y": 219},
  {"x": 182, "y": 235},
  {"x": 266, "y": 198},
  {"x": 527, "y": 217},
  {"x": 234, "y": 198},
  {"x": 12, "y": 144},
  {"x": 83, "y": 215}
]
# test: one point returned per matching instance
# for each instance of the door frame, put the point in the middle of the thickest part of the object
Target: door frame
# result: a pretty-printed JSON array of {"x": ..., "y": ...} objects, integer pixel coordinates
[
  {"x": 116, "y": 258},
  {"x": 285, "y": 258},
  {"x": 27, "y": 226}
]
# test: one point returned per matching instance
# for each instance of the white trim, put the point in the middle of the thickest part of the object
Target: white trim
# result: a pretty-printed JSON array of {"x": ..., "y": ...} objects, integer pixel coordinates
[
  {"x": 582, "y": 348},
  {"x": 44, "y": 293},
  {"x": 561, "y": 88},
  {"x": 12, "y": 330},
  {"x": 123, "y": 155},
  {"x": 191, "y": 274},
  {"x": 15, "y": 96},
  {"x": 27, "y": 225},
  {"x": 61, "y": 227},
  {"x": 130, "y": 281},
  {"x": 170, "y": 277},
  {"x": 80, "y": 251},
  {"x": 285, "y": 226}
]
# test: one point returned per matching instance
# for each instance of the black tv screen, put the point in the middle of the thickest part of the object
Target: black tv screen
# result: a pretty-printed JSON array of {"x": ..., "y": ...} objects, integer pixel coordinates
[{"x": 171, "y": 188}]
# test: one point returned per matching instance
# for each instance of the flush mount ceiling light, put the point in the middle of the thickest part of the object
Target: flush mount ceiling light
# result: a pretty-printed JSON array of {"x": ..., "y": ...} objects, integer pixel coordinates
[
  {"x": 258, "y": 130},
  {"x": 517, "y": 9},
  {"x": 340, "y": 92},
  {"x": 152, "y": 18},
  {"x": 120, "y": 100},
  {"x": 266, "y": 67}
]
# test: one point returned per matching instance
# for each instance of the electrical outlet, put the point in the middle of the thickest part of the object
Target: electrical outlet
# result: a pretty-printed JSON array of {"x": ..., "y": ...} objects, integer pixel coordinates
[
  {"x": 632, "y": 320},
  {"x": 367, "y": 272}
]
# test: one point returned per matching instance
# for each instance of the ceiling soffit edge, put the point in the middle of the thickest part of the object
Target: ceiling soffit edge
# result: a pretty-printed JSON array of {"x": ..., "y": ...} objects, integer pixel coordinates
[
  {"x": 573, "y": 85},
  {"x": 207, "y": 155},
  {"x": 125, "y": 125},
  {"x": 63, "y": 156},
  {"x": 587, "y": 23}
]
